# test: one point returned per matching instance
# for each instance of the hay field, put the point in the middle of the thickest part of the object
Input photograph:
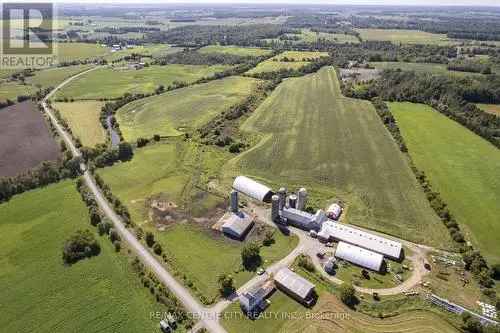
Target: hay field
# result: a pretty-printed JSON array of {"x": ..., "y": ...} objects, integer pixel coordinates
[
  {"x": 115, "y": 82},
  {"x": 422, "y": 68},
  {"x": 461, "y": 166},
  {"x": 297, "y": 59},
  {"x": 337, "y": 147},
  {"x": 79, "y": 51},
  {"x": 39, "y": 294},
  {"x": 309, "y": 36},
  {"x": 180, "y": 110},
  {"x": 404, "y": 36},
  {"x": 53, "y": 76},
  {"x": 235, "y": 50},
  {"x": 10, "y": 90},
  {"x": 83, "y": 119}
]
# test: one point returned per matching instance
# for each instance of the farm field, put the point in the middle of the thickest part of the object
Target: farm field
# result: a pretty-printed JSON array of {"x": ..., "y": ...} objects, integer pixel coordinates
[
  {"x": 10, "y": 90},
  {"x": 154, "y": 50},
  {"x": 97, "y": 294},
  {"x": 338, "y": 148},
  {"x": 490, "y": 108},
  {"x": 83, "y": 119},
  {"x": 296, "y": 60},
  {"x": 176, "y": 172},
  {"x": 25, "y": 139},
  {"x": 181, "y": 110},
  {"x": 404, "y": 36},
  {"x": 235, "y": 50},
  {"x": 309, "y": 36},
  {"x": 422, "y": 68},
  {"x": 53, "y": 76},
  {"x": 67, "y": 52},
  {"x": 115, "y": 82},
  {"x": 457, "y": 169}
]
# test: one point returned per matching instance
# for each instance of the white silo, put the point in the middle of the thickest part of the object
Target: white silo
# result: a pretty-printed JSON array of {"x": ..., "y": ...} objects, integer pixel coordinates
[
  {"x": 275, "y": 209},
  {"x": 282, "y": 197},
  {"x": 292, "y": 201},
  {"x": 234, "y": 201},
  {"x": 301, "y": 199}
]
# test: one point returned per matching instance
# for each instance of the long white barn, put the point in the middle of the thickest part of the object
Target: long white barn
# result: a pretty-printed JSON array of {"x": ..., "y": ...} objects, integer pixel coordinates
[
  {"x": 359, "y": 256},
  {"x": 344, "y": 233},
  {"x": 251, "y": 188}
]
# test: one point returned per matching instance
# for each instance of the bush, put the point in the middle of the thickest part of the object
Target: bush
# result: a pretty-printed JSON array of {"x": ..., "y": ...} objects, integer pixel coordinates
[
  {"x": 113, "y": 235},
  {"x": 268, "y": 238},
  {"x": 150, "y": 238},
  {"x": 141, "y": 142},
  {"x": 226, "y": 285},
  {"x": 250, "y": 255},
  {"x": 125, "y": 152},
  {"x": 117, "y": 245},
  {"x": 348, "y": 294},
  {"x": 95, "y": 217},
  {"x": 79, "y": 246},
  {"x": 157, "y": 249},
  {"x": 306, "y": 263},
  {"x": 495, "y": 272}
]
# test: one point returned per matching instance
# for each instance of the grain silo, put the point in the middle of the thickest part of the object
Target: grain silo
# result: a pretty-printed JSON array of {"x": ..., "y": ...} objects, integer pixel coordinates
[
  {"x": 282, "y": 197},
  {"x": 234, "y": 201},
  {"x": 301, "y": 199},
  {"x": 275, "y": 209},
  {"x": 292, "y": 201}
]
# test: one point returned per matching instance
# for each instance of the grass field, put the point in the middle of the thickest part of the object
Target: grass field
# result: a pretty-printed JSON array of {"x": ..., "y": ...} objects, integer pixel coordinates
[
  {"x": 309, "y": 36},
  {"x": 235, "y": 50},
  {"x": 79, "y": 51},
  {"x": 10, "y": 90},
  {"x": 38, "y": 293},
  {"x": 461, "y": 166},
  {"x": 177, "y": 111},
  {"x": 404, "y": 36},
  {"x": 83, "y": 119},
  {"x": 115, "y": 82},
  {"x": 175, "y": 172},
  {"x": 422, "y": 68},
  {"x": 337, "y": 147},
  {"x": 154, "y": 50},
  {"x": 298, "y": 60},
  {"x": 53, "y": 76},
  {"x": 490, "y": 108}
]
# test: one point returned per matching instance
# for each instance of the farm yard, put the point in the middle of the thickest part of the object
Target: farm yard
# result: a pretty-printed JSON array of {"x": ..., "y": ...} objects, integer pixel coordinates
[
  {"x": 404, "y": 36},
  {"x": 25, "y": 139},
  {"x": 109, "y": 83},
  {"x": 362, "y": 167},
  {"x": 97, "y": 294},
  {"x": 457, "y": 169},
  {"x": 286, "y": 60},
  {"x": 83, "y": 119},
  {"x": 235, "y": 50},
  {"x": 181, "y": 110}
]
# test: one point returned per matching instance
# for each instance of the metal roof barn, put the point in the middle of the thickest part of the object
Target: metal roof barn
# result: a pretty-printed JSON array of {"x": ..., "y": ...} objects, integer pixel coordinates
[
  {"x": 237, "y": 225},
  {"x": 253, "y": 189},
  {"x": 294, "y": 285},
  {"x": 369, "y": 241},
  {"x": 359, "y": 256}
]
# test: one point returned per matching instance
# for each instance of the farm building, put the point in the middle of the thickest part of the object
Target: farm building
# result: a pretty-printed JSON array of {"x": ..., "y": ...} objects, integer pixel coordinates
[
  {"x": 253, "y": 302},
  {"x": 303, "y": 220},
  {"x": 344, "y": 233},
  {"x": 295, "y": 286},
  {"x": 237, "y": 225},
  {"x": 334, "y": 211},
  {"x": 253, "y": 189},
  {"x": 360, "y": 256}
]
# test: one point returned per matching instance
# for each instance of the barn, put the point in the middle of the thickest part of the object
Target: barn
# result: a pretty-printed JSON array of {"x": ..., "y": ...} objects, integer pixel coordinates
[
  {"x": 252, "y": 189},
  {"x": 360, "y": 256}
]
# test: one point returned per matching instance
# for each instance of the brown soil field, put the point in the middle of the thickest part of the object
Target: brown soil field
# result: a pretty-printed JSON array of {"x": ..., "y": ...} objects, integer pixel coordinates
[{"x": 25, "y": 140}]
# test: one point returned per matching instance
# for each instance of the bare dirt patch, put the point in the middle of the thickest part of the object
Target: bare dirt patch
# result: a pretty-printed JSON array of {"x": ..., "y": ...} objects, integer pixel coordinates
[{"x": 25, "y": 140}]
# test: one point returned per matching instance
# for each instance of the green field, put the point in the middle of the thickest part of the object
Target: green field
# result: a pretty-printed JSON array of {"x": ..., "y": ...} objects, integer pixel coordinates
[
  {"x": 154, "y": 50},
  {"x": 490, "y": 108},
  {"x": 39, "y": 294},
  {"x": 461, "y": 166},
  {"x": 177, "y": 111},
  {"x": 79, "y": 51},
  {"x": 309, "y": 36},
  {"x": 115, "y": 82},
  {"x": 235, "y": 50},
  {"x": 297, "y": 59},
  {"x": 83, "y": 119},
  {"x": 10, "y": 90},
  {"x": 404, "y": 36},
  {"x": 53, "y": 76},
  {"x": 176, "y": 172},
  {"x": 338, "y": 148},
  {"x": 422, "y": 68}
]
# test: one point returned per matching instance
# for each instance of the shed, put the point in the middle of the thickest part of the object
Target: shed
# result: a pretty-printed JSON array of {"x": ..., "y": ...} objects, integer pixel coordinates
[
  {"x": 237, "y": 225},
  {"x": 253, "y": 189},
  {"x": 359, "y": 256},
  {"x": 295, "y": 286}
]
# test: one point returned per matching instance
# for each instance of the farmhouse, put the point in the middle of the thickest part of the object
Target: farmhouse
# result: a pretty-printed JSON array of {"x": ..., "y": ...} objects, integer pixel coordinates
[
  {"x": 295, "y": 286},
  {"x": 252, "y": 189},
  {"x": 331, "y": 230},
  {"x": 359, "y": 256}
]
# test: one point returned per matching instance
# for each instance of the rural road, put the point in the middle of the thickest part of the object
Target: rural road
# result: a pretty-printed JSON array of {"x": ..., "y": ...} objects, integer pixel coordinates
[{"x": 207, "y": 317}]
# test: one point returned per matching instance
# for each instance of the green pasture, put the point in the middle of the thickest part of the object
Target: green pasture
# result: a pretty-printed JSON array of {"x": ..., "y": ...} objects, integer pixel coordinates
[
  {"x": 339, "y": 149},
  {"x": 53, "y": 76},
  {"x": 422, "y": 68},
  {"x": 308, "y": 36},
  {"x": 79, "y": 51},
  {"x": 10, "y": 90},
  {"x": 180, "y": 110},
  {"x": 38, "y": 293},
  {"x": 461, "y": 166},
  {"x": 296, "y": 60},
  {"x": 114, "y": 82},
  {"x": 404, "y": 36},
  {"x": 235, "y": 50}
]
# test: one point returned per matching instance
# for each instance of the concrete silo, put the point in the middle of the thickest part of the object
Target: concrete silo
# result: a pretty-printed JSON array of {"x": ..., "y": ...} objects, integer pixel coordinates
[
  {"x": 301, "y": 199},
  {"x": 275, "y": 209},
  {"x": 234, "y": 201},
  {"x": 282, "y": 197},
  {"x": 292, "y": 201}
]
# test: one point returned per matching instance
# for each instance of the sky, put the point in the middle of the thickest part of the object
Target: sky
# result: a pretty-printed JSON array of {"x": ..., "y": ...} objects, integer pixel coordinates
[{"x": 343, "y": 2}]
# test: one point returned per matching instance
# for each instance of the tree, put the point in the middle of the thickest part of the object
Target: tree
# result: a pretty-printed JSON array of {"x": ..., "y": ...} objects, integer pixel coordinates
[
  {"x": 348, "y": 294},
  {"x": 95, "y": 217},
  {"x": 125, "y": 152},
  {"x": 250, "y": 255},
  {"x": 157, "y": 249},
  {"x": 79, "y": 246},
  {"x": 226, "y": 285},
  {"x": 306, "y": 263},
  {"x": 495, "y": 272},
  {"x": 156, "y": 137},
  {"x": 268, "y": 238},
  {"x": 113, "y": 235},
  {"x": 150, "y": 238},
  {"x": 117, "y": 245}
]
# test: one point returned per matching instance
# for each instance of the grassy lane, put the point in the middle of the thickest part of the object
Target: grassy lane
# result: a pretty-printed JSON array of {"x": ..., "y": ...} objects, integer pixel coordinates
[
  {"x": 38, "y": 293},
  {"x": 338, "y": 148},
  {"x": 461, "y": 166}
]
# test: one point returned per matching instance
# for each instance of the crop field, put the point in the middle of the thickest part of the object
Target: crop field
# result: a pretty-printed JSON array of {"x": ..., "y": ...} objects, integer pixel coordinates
[
  {"x": 39, "y": 293},
  {"x": 79, "y": 51},
  {"x": 404, "y": 36},
  {"x": 309, "y": 36},
  {"x": 422, "y": 68},
  {"x": 83, "y": 119},
  {"x": 338, "y": 148},
  {"x": 10, "y": 90},
  {"x": 235, "y": 50},
  {"x": 175, "y": 172},
  {"x": 53, "y": 76},
  {"x": 453, "y": 158},
  {"x": 180, "y": 110},
  {"x": 115, "y": 82},
  {"x": 490, "y": 108},
  {"x": 154, "y": 50},
  {"x": 25, "y": 139},
  {"x": 329, "y": 315},
  {"x": 296, "y": 60}
]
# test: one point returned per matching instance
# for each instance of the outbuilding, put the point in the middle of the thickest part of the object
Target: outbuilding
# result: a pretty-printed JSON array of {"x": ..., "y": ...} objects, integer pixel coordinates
[
  {"x": 252, "y": 189},
  {"x": 359, "y": 256},
  {"x": 237, "y": 225},
  {"x": 295, "y": 286}
]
